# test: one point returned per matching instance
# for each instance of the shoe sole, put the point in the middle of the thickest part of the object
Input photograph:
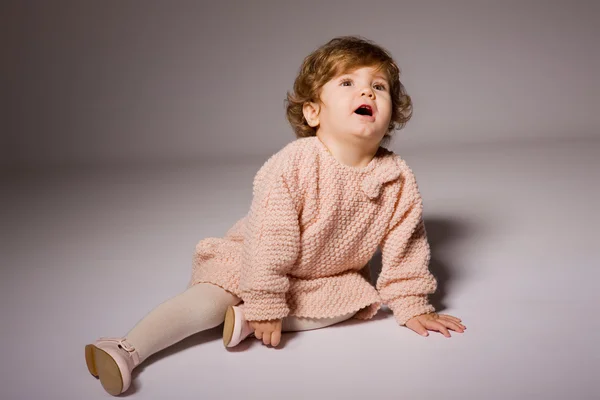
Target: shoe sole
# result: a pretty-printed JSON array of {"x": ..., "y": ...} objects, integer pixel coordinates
[
  {"x": 228, "y": 327},
  {"x": 101, "y": 365}
]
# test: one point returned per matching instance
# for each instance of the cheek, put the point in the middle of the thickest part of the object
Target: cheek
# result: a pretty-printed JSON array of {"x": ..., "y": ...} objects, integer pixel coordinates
[
  {"x": 387, "y": 106},
  {"x": 341, "y": 108},
  {"x": 387, "y": 112}
]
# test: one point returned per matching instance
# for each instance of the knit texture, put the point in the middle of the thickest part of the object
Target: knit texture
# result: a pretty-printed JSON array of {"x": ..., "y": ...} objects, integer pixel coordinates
[{"x": 313, "y": 225}]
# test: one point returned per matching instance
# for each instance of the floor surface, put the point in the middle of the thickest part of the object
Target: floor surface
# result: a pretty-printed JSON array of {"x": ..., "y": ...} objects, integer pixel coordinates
[{"x": 513, "y": 229}]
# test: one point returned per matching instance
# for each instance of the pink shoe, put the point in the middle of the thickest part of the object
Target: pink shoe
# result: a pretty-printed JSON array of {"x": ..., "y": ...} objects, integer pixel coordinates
[
  {"x": 112, "y": 360},
  {"x": 236, "y": 327}
]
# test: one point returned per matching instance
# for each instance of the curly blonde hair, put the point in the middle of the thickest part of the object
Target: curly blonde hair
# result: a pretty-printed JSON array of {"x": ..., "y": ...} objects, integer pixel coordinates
[{"x": 340, "y": 55}]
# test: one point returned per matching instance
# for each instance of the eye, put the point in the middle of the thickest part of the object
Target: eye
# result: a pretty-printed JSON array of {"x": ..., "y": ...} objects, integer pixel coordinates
[
  {"x": 346, "y": 81},
  {"x": 379, "y": 86}
]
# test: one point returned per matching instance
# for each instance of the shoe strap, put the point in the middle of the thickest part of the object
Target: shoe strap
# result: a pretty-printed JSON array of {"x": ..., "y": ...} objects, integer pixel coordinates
[{"x": 125, "y": 345}]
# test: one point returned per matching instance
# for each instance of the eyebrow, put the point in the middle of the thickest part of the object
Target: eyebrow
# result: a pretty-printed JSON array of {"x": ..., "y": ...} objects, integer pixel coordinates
[{"x": 378, "y": 76}]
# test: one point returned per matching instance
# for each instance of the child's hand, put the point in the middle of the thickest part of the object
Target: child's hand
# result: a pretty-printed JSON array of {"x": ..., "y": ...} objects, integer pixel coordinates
[
  {"x": 435, "y": 322},
  {"x": 268, "y": 331}
]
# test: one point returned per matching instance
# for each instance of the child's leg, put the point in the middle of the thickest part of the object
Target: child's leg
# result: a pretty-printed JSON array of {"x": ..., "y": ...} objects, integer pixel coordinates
[
  {"x": 295, "y": 324},
  {"x": 199, "y": 308}
]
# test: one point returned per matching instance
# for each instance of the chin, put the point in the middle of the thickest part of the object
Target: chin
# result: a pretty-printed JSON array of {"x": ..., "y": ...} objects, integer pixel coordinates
[{"x": 369, "y": 135}]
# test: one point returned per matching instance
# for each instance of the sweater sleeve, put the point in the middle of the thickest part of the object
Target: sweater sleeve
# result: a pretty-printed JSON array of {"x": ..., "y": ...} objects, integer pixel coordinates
[
  {"x": 271, "y": 247},
  {"x": 405, "y": 279}
]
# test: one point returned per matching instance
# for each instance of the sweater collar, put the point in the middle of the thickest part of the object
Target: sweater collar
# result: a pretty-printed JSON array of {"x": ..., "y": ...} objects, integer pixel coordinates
[{"x": 382, "y": 169}]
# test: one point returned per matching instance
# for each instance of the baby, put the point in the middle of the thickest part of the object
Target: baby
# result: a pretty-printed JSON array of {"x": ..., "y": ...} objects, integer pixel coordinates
[{"x": 321, "y": 207}]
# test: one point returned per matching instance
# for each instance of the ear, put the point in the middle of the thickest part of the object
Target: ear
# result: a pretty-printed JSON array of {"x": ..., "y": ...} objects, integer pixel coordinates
[{"x": 311, "y": 113}]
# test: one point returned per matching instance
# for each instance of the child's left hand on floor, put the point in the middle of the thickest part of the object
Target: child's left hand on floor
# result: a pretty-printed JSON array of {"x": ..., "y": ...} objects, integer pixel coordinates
[
  {"x": 267, "y": 331},
  {"x": 435, "y": 322}
]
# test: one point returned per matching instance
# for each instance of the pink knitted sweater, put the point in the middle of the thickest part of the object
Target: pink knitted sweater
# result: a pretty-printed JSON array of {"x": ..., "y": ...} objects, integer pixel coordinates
[{"x": 313, "y": 225}]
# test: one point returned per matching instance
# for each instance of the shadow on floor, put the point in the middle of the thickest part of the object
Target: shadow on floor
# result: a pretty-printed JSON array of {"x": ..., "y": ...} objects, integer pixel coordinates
[{"x": 441, "y": 233}]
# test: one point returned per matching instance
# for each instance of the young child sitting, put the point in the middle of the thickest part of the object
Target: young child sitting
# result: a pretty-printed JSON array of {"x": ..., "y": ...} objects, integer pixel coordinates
[{"x": 321, "y": 207}]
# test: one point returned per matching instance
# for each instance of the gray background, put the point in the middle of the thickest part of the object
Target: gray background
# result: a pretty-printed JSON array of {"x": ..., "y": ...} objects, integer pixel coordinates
[
  {"x": 99, "y": 82},
  {"x": 131, "y": 130}
]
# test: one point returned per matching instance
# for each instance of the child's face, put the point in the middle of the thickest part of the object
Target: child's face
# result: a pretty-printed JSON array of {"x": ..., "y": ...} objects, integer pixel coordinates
[{"x": 336, "y": 115}]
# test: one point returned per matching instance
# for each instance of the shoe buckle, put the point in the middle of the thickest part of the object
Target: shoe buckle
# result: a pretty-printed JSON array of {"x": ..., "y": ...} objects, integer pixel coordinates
[{"x": 125, "y": 345}]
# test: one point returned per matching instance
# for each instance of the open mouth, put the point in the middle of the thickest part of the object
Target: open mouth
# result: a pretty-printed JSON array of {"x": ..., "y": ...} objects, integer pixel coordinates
[{"x": 364, "y": 110}]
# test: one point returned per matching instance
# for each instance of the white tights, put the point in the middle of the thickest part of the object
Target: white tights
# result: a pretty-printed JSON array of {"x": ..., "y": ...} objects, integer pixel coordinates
[{"x": 200, "y": 307}]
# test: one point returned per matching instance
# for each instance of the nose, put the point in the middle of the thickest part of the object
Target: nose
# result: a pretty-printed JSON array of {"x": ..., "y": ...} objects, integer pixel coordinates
[{"x": 368, "y": 92}]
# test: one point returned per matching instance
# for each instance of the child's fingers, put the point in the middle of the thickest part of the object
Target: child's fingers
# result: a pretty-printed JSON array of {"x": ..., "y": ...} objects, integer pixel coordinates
[
  {"x": 418, "y": 327},
  {"x": 437, "y": 326},
  {"x": 446, "y": 316},
  {"x": 452, "y": 325},
  {"x": 258, "y": 334},
  {"x": 267, "y": 338},
  {"x": 276, "y": 338}
]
